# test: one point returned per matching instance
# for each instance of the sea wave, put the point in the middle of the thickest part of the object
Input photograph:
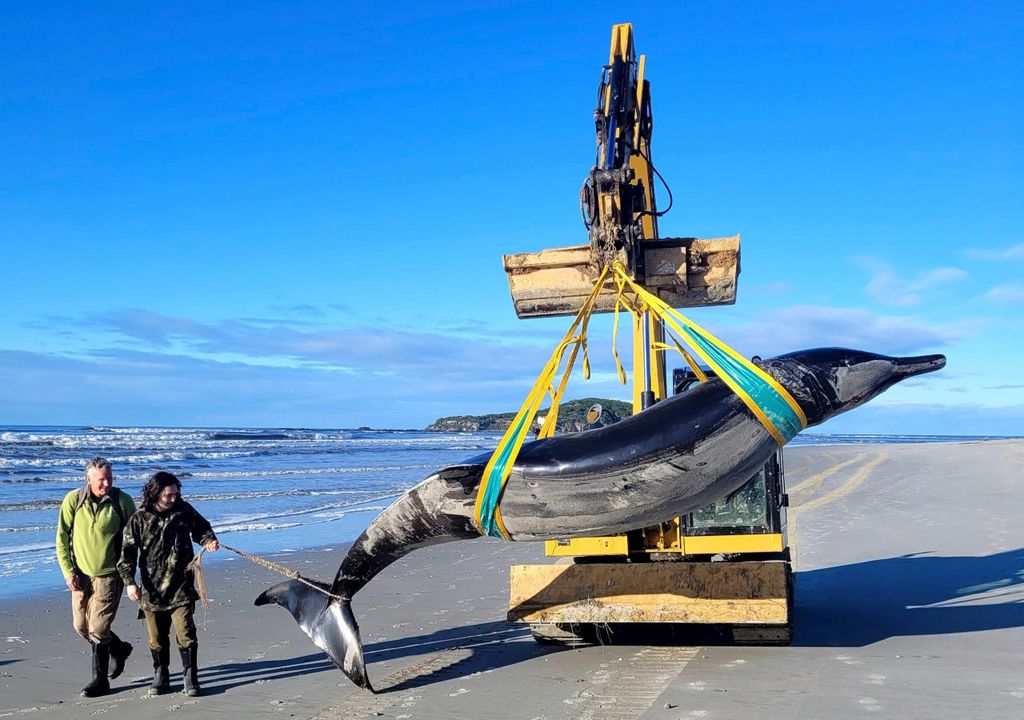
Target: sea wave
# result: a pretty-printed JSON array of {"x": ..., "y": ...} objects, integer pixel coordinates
[
  {"x": 53, "y": 503},
  {"x": 310, "y": 471},
  {"x": 255, "y": 435},
  {"x": 135, "y": 459},
  {"x": 250, "y": 527},
  {"x": 34, "y": 547}
]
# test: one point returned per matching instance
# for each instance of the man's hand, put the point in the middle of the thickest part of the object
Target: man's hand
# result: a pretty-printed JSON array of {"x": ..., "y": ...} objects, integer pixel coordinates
[
  {"x": 73, "y": 584},
  {"x": 133, "y": 593},
  {"x": 212, "y": 545}
]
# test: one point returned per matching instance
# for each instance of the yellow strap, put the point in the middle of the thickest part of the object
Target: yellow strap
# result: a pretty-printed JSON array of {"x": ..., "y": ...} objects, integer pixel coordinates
[
  {"x": 676, "y": 320},
  {"x": 686, "y": 356},
  {"x": 499, "y": 466}
]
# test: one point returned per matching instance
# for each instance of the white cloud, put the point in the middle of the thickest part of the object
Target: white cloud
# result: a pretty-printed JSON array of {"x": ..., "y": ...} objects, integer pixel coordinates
[
  {"x": 1006, "y": 294},
  {"x": 806, "y": 326},
  {"x": 888, "y": 287},
  {"x": 1012, "y": 253},
  {"x": 150, "y": 369}
]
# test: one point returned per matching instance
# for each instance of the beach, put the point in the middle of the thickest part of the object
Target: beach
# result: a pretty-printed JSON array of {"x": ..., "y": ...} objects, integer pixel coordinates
[{"x": 909, "y": 566}]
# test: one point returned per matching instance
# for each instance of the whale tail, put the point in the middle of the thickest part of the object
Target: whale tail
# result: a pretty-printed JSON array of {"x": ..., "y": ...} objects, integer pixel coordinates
[{"x": 327, "y": 620}]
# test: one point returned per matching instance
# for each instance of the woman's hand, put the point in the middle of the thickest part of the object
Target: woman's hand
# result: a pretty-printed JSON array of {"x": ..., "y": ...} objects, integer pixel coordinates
[
  {"x": 212, "y": 545},
  {"x": 133, "y": 593}
]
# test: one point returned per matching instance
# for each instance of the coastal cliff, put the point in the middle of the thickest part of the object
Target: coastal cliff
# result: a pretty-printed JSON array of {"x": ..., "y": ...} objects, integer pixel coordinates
[{"x": 571, "y": 417}]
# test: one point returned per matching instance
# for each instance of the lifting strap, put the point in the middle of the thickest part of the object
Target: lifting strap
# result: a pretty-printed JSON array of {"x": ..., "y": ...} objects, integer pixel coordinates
[
  {"x": 770, "y": 403},
  {"x": 486, "y": 514}
]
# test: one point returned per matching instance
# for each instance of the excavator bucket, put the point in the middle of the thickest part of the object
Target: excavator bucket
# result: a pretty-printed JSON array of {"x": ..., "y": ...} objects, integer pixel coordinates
[{"x": 684, "y": 272}]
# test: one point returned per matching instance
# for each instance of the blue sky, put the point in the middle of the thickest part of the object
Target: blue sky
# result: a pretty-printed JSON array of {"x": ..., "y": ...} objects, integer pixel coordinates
[{"x": 268, "y": 214}]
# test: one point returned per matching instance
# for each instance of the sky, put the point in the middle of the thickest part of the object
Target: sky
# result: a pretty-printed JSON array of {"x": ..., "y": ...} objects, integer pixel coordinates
[{"x": 293, "y": 215}]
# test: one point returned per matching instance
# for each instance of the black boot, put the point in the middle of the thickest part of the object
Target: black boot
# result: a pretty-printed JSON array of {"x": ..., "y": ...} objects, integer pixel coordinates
[
  {"x": 100, "y": 660},
  {"x": 119, "y": 652},
  {"x": 189, "y": 670},
  {"x": 161, "y": 679}
]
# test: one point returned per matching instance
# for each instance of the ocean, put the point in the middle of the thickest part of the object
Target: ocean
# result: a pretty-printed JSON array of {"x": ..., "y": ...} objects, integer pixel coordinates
[{"x": 263, "y": 490}]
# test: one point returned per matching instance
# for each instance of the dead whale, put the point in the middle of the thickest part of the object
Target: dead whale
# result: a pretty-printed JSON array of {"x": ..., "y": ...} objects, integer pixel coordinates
[{"x": 670, "y": 459}]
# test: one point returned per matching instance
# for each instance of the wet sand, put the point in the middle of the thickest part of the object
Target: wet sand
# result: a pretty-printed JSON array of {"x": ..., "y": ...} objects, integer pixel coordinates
[{"x": 910, "y": 604}]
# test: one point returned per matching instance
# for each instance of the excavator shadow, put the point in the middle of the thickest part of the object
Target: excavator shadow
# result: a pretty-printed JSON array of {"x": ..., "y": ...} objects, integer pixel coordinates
[{"x": 918, "y": 594}]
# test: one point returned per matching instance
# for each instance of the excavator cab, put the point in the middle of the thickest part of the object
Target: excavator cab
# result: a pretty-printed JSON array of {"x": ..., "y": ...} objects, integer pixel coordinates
[{"x": 758, "y": 508}]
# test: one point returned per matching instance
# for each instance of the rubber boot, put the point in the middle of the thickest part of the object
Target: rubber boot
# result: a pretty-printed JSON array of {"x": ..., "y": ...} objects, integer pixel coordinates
[
  {"x": 119, "y": 652},
  {"x": 161, "y": 678},
  {"x": 99, "y": 685},
  {"x": 189, "y": 670}
]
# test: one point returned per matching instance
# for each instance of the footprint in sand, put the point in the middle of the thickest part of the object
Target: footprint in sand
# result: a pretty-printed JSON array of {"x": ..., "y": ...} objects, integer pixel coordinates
[{"x": 869, "y": 704}]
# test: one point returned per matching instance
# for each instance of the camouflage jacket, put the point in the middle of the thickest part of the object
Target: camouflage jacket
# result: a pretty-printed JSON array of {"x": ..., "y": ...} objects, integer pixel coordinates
[{"x": 160, "y": 545}]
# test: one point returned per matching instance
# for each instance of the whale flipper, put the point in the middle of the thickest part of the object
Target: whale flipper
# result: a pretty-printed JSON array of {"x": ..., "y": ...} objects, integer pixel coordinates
[{"x": 328, "y": 621}]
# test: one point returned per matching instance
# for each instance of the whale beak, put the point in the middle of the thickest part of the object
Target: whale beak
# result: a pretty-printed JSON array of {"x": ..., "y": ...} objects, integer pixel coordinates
[
  {"x": 328, "y": 621},
  {"x": 911, "y": 366}
]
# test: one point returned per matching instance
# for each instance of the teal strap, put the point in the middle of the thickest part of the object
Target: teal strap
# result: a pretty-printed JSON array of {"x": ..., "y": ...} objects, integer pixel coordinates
[
  {"x": 493, "y": 482},
  {"x": 779, "y": 412}
]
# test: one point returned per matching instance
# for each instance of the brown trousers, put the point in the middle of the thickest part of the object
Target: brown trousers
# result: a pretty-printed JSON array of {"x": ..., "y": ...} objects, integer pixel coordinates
[
  {"x": 94, "y": 606},
  {"x": 158, "y": 626}
]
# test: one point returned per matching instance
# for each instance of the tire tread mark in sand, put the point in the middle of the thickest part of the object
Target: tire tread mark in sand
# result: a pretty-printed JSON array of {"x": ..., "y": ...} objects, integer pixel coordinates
[
  {"x": 361, "y": 704},
  {"x": 814, "y": 482},
  {"x": 862, "y": 474},
  {"x": 629, "y": 691}
]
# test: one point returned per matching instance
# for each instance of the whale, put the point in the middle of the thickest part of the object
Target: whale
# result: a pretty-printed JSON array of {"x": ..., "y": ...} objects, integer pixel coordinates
[{"x": 670, "y": 459}]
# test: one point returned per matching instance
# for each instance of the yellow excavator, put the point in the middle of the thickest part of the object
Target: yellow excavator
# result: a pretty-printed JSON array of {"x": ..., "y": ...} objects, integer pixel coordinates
[{"x": 726, "y": 565}]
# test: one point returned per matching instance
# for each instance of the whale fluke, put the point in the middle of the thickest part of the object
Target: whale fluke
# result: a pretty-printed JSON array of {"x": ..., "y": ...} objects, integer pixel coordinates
[{"x": 328, "y": 621}]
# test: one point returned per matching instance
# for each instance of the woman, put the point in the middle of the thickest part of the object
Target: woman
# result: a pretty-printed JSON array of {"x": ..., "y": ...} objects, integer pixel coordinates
[{"x": 158, "y": 539}]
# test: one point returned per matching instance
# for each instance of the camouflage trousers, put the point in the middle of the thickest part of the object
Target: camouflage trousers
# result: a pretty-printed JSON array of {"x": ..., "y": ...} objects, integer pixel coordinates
[
  {"x": 94, "y": 606},
  {"x": 159, "y": 622}
]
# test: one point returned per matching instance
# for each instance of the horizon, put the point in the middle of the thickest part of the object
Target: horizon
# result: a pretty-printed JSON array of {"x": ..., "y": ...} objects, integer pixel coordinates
[
  {"x": 815, "y": 431},
  {"x": 258, "y": 216}
]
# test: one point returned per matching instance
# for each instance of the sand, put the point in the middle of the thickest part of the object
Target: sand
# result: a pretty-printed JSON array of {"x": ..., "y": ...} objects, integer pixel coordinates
[{"x": 910, "y": 604}]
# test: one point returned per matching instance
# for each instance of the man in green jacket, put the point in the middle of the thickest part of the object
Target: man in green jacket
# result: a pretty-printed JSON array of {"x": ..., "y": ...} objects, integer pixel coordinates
[{"x": 89, "y": 529}]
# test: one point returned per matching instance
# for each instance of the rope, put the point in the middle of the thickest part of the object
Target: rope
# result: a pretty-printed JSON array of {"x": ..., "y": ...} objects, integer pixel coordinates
[{"x": 197, "y": 566}]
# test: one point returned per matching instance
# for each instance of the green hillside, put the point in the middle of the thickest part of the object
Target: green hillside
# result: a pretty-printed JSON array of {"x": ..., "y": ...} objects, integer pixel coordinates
[{"x": 571, "y": 417}]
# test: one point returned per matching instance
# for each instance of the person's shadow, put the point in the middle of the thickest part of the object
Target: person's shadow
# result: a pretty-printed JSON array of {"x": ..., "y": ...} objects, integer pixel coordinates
[
  {"x": 920, "y": 594},
  {"x": 453, "y": 652},
  {"x": 218, "y": 679}
]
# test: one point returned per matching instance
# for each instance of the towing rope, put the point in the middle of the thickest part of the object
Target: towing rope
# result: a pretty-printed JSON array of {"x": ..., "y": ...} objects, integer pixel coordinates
[{"x": 204, "y": 598}]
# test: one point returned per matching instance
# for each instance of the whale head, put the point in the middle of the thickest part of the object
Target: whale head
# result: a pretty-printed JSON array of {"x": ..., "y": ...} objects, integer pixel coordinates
[{"x": 829, "y": 381}]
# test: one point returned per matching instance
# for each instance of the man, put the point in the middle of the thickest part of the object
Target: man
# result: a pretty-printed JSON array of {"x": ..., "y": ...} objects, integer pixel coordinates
[{"x": 89, "y": 529}]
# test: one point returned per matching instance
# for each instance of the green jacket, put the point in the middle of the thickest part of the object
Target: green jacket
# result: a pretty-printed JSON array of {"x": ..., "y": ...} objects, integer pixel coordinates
[
  {"x": 160, "y": 545},
  {"x": 89, "y": 532}
]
